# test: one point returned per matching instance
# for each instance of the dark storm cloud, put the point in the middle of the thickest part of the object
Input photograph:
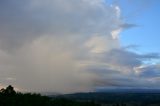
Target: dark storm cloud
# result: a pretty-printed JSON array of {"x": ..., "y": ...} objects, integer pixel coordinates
[
  {"x": 127, "y": 26},
  {"x": 151, "y": 71}
]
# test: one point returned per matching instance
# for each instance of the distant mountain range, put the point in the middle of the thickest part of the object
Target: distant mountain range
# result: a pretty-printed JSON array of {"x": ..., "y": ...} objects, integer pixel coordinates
[
  {"x": 115, "y": 90},
  {"x": 117, "y": 96},
  {"x": 129, "y": 90}
]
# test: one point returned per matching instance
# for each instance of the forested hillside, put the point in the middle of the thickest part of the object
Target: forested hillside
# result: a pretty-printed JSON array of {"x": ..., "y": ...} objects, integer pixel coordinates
[{"x": 9, "y": 97}]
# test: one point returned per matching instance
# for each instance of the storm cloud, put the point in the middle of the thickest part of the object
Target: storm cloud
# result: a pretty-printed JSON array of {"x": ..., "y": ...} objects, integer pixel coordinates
[{"x": 65, "y": 46}]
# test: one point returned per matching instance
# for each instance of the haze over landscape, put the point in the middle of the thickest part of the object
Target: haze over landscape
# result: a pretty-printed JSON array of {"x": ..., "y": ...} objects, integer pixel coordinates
[{"x": 68, "y": 46}]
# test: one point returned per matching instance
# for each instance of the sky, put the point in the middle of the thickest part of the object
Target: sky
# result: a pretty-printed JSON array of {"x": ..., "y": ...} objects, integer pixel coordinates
[
  {"x": 68, "y": 46},
  {"x": 147, "y": 25}
]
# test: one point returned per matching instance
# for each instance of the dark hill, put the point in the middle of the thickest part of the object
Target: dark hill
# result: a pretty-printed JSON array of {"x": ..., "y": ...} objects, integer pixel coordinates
[{"x": 9, "y": 97}]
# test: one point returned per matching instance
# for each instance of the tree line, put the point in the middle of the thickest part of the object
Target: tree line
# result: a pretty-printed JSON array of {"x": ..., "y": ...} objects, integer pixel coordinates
[{"x": 9, "y": 97}]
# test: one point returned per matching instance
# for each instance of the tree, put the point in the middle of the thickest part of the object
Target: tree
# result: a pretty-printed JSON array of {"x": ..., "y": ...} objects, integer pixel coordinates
[
  {"x": 8, "y": 91},
  {"x": 2, "y": 90}
]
